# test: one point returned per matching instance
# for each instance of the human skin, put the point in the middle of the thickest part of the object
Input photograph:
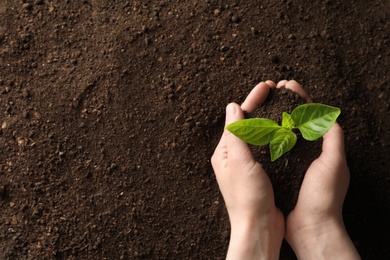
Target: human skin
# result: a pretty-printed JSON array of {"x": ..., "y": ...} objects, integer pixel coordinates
[
  {"x": 315, "y": 228},
  {"x": 257, "y": 226}
]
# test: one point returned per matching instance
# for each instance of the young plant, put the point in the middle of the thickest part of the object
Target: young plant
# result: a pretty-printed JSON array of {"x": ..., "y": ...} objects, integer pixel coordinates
[{"x": 312, "y": 120}]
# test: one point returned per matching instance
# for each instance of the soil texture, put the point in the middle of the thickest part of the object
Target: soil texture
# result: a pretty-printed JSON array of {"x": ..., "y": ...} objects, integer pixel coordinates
[
  {"x": 111, "y": 110},
  {"x": 287, "y": 172}
]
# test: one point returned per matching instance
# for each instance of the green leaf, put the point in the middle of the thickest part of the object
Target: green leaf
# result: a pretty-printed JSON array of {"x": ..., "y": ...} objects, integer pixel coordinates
[
  {"x": 314, "y": 120},
  {"x": 287, "y": 121},
  {"x": 257, "y": 131},
  {"x": 282, "y": 142}
]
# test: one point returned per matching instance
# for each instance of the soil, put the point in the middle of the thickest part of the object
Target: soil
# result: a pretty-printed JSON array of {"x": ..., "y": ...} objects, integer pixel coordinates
[
  {"x": 110, "y": 112},
  {"x": 287, "y": 172}
]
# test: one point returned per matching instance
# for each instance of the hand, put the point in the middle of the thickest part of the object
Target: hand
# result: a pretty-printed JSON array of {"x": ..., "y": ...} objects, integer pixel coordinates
[
  {"x": 257, "y": 226},
  {"x": 315, "y": 228}
]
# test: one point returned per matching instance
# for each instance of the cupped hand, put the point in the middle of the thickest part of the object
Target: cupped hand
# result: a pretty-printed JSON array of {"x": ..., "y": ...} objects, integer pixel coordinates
[
  {"x": 257, "y": 226},
  {"x": 315, "y": 228}
]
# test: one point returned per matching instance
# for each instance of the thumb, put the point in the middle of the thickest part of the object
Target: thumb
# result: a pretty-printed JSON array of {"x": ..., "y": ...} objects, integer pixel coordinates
[
  {"x": 236, "y": 148},
  {"x": 326, "y": 181},
  {"x": 233, "y": 113},
  {"x": 333, "y": 143}
]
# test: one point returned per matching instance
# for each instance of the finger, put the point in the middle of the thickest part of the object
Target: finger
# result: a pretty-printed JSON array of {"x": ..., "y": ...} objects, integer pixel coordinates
[
  {"x": 281, "y": 83},
  {"x": 270, "y": 83},
  {"x": 328, "y": 176},
  {"x": 333, "y": 161},
  {"x": 333, "y": 144},
  {"x": 296, "y": 87},
  {"x": 220, "y": 155},
  {"x": 256, "y": 97},
  {"x": 236, "y": 148},
  {"x": 219, "y": 158}
]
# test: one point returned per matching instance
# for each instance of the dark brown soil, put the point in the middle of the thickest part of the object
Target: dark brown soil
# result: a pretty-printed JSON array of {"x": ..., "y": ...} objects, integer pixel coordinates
[
  {"x": 110, "y": 112},
  {"x": 287, "y": 172}
]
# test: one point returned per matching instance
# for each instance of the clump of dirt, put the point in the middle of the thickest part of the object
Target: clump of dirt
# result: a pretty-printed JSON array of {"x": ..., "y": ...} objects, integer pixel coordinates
[{"x": 287, "y": 172}]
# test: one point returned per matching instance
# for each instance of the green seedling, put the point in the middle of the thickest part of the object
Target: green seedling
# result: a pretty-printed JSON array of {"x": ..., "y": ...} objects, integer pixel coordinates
[{"x": 312, "y": 120}]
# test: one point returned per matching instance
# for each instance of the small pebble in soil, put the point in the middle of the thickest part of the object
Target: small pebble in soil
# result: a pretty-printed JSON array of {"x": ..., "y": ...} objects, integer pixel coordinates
[{"x": 27, "y": 6}]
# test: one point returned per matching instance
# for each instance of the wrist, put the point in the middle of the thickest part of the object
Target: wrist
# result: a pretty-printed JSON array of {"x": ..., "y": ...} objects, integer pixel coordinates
[
  {"x": 249, "y": 242},
  {"x": 256, "y": 238},
  {"x": 328, "y": 240}
]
